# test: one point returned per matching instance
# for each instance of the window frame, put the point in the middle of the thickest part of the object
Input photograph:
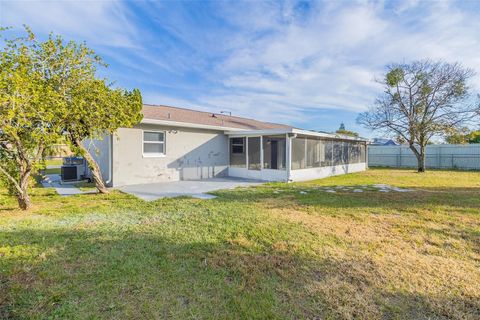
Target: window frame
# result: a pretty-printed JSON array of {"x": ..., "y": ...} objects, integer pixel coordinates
[
  {"x": 260, "y": 153},
  {"x": 238, "y": 144},
  {"x": 154, "y": 154}
]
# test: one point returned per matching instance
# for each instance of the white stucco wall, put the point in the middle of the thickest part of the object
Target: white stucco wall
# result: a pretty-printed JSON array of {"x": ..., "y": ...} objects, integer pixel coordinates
[
  {"x": 100, "y": 151},
  {"x": 323, "y": 172},
  {"x": 296, "y": 175},
  {"x": 264, "y": 174},
  {"x": 191, "y": 154}
]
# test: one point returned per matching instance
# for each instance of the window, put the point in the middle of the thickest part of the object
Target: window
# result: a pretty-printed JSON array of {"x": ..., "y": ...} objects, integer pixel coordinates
[
  {"x": 238, "y": 156},
  {"x": 315, "y": 153},
  {"x": 237, "y": 145},
  {"x": 153, "y": 143},
  {"x": 298, "y": 153},
  {"x": 311, "y": 152},
  {"x": 328, "y": 153},
  {"x": 337, "y": 152},
  {"x": 354, "y": 155},
  {"x": 346, "y": 152},
  {"x": 363, "y": 152},
  {"x": 254, "y": 153}
]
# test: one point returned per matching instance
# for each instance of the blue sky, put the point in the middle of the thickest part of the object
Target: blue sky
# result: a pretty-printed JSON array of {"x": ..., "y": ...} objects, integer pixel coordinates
[{"x": 308, "y": 64}]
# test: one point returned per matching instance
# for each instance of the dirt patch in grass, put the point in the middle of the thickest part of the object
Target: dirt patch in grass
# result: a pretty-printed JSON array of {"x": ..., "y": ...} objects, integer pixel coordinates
[{"x": 379, "y": 258}]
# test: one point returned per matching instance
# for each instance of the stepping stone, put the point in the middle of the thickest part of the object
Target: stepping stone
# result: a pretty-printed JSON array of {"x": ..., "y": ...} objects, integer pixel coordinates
[
  {"x": 357, "y": 190},
  {"x": 203, "y": 196},
  {"x": 400, "y": 189}
]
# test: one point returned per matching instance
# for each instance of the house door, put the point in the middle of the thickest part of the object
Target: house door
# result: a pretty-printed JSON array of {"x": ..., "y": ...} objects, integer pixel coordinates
[{"x": 274, "y": 154}]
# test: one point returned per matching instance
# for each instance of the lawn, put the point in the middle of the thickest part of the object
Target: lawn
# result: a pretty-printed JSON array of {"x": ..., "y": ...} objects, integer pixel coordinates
[
  {"x": 52, "y": 171},
  {"x": 54, "y": 162},
  {"x": 276, "y": 251}
]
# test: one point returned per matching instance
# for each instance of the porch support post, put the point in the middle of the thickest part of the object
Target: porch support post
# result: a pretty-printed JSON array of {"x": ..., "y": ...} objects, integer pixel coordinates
[
  {"x": 366, "y": 155},
  {"x": 289, "y": 155},
  {"x": 261, "y": 152},
  {"x": 246, "y": 153}
]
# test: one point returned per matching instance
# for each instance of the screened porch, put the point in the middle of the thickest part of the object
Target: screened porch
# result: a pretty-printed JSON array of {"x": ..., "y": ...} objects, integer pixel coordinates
[{"x": 293, "y": 155}]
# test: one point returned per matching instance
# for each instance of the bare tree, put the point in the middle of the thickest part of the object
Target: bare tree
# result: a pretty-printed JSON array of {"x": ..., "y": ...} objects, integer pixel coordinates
[{"x": 421, "y": 100}]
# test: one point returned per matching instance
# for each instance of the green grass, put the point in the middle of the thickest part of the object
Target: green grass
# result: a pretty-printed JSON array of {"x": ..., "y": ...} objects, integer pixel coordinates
[
  {"x": 272, "y": 252},
  {"x": 52, "y": 171},
  {"x": 54, "y": 162},
  {"x": 86, "y": 186}
]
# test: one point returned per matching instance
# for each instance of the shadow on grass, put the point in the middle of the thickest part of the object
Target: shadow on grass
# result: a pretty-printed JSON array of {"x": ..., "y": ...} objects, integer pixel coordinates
[
  {"x": 304, "y": 195},
  {"x": 414, "y": 170},
  {"x": 68, "y": 273}
]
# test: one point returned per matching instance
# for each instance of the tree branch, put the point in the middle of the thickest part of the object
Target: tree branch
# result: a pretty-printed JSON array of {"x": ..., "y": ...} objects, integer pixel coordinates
[{"x": 12, "y": 179}]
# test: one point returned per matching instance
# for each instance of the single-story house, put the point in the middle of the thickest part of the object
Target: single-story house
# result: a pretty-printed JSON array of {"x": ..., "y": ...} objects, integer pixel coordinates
[
  {"x": 172, "y": 144},
  {"x": 383, "y": 142}
]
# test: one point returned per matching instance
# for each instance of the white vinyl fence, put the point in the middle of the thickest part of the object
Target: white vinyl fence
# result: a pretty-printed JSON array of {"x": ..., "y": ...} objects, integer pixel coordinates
[{"x": 444, "y": 156}]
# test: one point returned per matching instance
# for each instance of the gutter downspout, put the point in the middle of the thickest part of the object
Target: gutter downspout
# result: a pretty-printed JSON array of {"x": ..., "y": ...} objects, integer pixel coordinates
[{"x": 110, "y": 160}]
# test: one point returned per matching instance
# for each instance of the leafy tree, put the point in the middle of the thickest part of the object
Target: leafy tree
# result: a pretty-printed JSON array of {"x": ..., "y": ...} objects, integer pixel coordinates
[
  {"x": 343, "y": 131},
  {"x": 98, "y": 110},
  {"x": 421, "y": 99},
  {"x": 474, "y": 137},
  {"x": 456, "y": 138},
  {"x": 459, "y": 136},
  {"x": 89, "y": 107},
  {"x": 49, "y": 89},
  {"x": 463, "y": 137},
  {"x": 27, "y": 125}
]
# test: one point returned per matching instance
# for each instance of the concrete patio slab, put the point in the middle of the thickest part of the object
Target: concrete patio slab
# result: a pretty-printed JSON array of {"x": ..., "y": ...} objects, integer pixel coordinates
[
  {"x": 192, "y": 188},
  {"x": 54, "y": 181}
]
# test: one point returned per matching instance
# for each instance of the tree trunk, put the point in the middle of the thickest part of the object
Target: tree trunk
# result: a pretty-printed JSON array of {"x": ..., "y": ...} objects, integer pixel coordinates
[
  {"x": 22, "y": 196},
  {"x": 24, "y": 200},
  {"x": 93, "y": 165},
  {"x": 420, "y": 157},
  {"x": 421, "y": 161}
]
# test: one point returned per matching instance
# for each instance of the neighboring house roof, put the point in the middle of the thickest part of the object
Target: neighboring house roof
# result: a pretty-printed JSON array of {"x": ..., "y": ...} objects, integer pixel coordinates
[
  {"x": 166, "y": 114},
  {"x": 383, "y": 142}
]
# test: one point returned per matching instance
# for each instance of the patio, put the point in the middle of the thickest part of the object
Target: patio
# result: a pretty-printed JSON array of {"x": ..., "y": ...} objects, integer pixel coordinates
[{"x": 191, "y": 188}]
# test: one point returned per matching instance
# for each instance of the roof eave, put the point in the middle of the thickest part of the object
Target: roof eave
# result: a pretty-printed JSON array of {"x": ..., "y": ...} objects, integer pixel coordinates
[
  {"x": 187, "y": 125},
  {"x": 258, "y": 132}
]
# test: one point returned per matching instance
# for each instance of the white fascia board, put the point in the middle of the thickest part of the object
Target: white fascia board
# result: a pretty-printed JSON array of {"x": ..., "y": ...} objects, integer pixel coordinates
[
  {"x": 186, "y": 125},
  {"x": 253, "y": 133},
  {"x": 325, "y": 135}
]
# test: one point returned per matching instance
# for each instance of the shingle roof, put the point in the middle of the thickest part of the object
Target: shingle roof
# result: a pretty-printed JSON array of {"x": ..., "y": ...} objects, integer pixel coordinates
[{"x": 175, "y": 114}]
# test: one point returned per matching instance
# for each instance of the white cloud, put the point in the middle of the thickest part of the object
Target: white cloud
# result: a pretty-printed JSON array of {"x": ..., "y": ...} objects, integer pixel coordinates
[
  {"x": 98, "y": 22},
  {"x": 155, "y": 98},
  {"x": 406, "y": 5},
  {"x": 330, "y": 58},
  {"x": 277, "y": 61}
]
